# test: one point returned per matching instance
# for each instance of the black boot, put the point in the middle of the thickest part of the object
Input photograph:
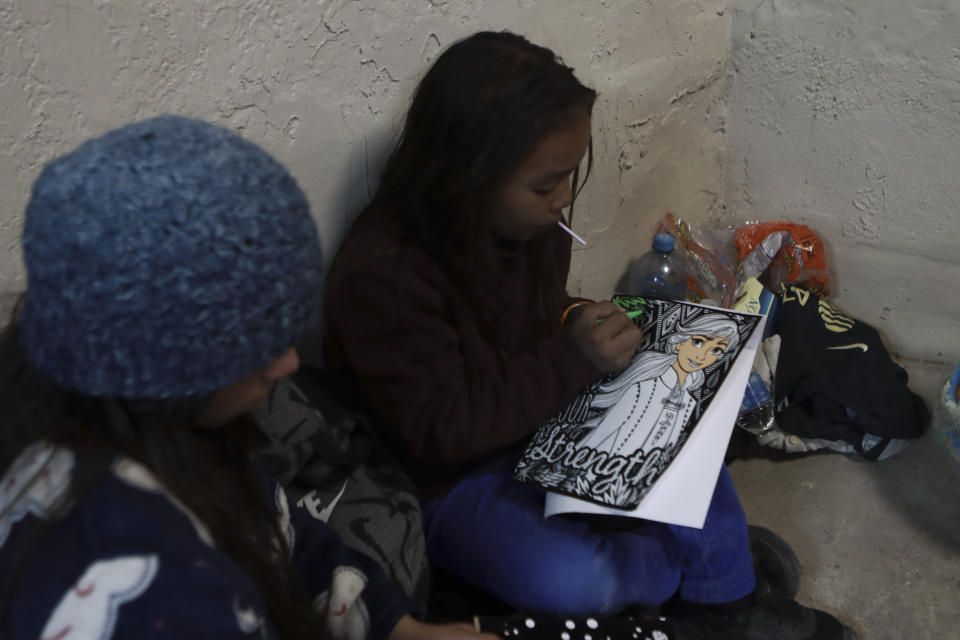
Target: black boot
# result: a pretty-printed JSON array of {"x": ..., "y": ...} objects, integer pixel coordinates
[
  {"x": 774, "y": 560},
  {"x": 765, "y": 615}
]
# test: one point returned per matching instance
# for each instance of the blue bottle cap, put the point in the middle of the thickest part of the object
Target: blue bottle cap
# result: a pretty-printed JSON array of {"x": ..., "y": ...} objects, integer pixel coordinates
[{"x": 663, "y": 242}]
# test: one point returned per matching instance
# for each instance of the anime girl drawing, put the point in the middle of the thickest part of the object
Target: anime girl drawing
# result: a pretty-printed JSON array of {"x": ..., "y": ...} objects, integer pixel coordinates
[
  {"x": 648, "y": 404},
  {"x": 612, "y": 443}
]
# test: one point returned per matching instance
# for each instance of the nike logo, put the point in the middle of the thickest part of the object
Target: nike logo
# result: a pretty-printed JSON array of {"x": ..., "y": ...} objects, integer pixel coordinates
[
  {"x": 312, "y": 502},
  {"x": 853, "y": 345}
]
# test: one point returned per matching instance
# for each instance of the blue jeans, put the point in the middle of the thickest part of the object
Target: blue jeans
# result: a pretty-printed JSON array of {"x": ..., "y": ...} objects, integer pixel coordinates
[{"x": 490, "y": 531}]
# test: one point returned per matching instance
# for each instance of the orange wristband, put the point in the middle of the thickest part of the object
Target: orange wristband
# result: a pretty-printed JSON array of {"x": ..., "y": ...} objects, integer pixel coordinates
[{"x": 566, "y": 312}]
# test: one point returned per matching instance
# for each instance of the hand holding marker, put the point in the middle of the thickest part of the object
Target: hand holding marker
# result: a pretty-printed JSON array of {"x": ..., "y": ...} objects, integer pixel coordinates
[{"x": 604, "y": 333}]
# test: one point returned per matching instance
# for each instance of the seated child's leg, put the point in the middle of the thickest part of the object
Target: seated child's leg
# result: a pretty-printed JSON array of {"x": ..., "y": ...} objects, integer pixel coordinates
[
  {"x": 490, "y": 531},
  {"x": 717, "y": 565}
]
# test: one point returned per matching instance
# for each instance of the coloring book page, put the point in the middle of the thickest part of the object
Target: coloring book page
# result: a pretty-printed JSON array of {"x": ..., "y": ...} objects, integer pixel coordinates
[{"x": 612, "y": 446}]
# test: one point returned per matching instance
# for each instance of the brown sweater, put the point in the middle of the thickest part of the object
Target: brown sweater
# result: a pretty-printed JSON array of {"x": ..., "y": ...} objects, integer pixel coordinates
[{"x": 399, "y": 324}]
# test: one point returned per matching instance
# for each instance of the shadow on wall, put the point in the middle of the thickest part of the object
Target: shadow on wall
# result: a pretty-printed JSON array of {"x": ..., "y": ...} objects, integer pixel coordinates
[
  {"x": 7, "y": 302},
  {"x": 366, "y": 163},
  {"x": 352, "y": 195}
]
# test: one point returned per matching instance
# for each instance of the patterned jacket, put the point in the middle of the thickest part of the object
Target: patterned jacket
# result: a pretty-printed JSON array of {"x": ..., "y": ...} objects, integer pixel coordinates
[{"x": 129, "y": 560}]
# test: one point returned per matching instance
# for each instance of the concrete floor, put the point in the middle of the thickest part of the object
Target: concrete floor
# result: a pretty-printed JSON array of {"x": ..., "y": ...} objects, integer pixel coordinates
[{"x": 879, "y": 542}]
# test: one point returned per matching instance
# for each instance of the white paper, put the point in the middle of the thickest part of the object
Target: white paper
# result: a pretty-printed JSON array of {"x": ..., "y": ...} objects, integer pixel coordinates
[{"x": 682, "y": 494}]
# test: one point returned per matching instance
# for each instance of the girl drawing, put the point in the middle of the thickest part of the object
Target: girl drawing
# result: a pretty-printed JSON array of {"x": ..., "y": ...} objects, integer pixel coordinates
[
  {"x": 648, "y": 405},
  {"x": 485, "y": 344}
]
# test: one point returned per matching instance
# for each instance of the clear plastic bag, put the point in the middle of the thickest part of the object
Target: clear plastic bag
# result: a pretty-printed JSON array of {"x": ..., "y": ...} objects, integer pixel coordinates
[{"x": 711, "y": 276}]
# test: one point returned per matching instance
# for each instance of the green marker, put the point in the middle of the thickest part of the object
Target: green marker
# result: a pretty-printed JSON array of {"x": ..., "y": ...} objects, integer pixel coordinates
[{"x": 633, "y": 306}]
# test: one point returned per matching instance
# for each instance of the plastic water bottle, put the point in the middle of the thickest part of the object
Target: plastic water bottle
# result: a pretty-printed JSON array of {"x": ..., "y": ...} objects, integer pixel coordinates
[{"x": 657, "y": 273}]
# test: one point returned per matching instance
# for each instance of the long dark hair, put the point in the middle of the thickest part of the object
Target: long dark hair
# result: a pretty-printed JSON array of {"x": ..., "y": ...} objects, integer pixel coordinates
[
  {"x": 207, "y": 469},
  {"x": 475, "y": 117}
]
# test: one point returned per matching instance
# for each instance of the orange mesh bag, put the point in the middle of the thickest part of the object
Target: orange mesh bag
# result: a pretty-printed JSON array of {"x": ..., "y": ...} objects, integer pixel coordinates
[{"x": 802, "y": 260}]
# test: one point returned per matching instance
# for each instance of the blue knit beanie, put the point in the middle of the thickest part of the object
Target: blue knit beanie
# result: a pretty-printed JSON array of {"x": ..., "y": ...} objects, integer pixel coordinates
[{"x": 165, "y": 259}]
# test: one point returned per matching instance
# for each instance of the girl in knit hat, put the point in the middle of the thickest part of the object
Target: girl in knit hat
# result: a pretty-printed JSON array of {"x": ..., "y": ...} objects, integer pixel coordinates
[{"x": 170, "y": 265}]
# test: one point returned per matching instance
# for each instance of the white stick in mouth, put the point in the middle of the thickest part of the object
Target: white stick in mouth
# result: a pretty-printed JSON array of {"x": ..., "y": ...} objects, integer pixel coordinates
[{"x": 571, "y": 232}]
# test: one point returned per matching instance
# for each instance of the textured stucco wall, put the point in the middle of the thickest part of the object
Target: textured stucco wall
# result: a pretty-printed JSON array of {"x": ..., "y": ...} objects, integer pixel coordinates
[
  {"x": 844, "y": 114},
  {"x": 323, "y": 85}
]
